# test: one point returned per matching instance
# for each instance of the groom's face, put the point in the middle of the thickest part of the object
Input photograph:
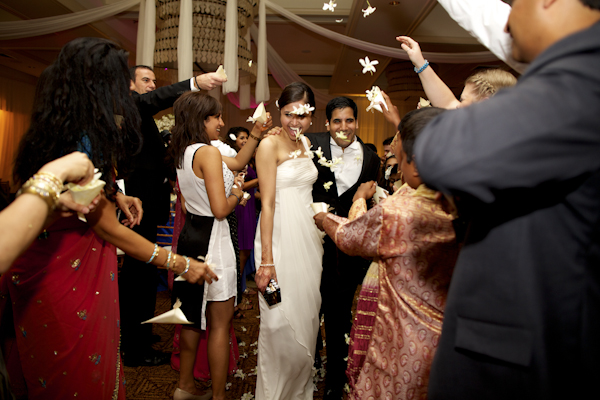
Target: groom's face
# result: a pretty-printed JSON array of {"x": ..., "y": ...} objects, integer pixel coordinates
[{"x": 343, "y": 123}]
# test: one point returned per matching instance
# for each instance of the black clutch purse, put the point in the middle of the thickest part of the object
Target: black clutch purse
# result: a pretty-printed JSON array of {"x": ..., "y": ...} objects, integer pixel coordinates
[{"x": 272, "y": 293}]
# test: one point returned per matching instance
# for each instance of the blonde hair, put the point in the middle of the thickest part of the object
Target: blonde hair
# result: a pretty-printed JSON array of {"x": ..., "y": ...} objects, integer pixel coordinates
[{"x": 488, "y": 81}]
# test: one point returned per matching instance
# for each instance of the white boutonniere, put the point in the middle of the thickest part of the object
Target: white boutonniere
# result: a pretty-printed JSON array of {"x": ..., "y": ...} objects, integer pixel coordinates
[
  {"x": 327, "y": 185},
  {"x": 368, "y": 65}
]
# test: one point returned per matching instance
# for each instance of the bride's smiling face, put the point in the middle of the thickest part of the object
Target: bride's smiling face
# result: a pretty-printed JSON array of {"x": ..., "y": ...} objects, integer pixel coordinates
[{"x": 294, "y": 124}]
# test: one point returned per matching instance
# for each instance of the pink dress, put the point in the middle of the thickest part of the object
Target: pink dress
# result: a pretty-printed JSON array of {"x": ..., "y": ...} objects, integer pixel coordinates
[{"x": 400, "y": 310}]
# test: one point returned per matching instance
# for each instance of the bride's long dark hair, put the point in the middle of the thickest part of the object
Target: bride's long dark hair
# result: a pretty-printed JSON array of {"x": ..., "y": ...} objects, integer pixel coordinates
[{"x": 83, "y": 102}]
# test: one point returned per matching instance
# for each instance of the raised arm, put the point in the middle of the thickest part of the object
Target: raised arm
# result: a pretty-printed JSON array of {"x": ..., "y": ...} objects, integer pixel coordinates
[
  {"x": 436, "y": 90},
  {"x": 266, "y": 168},
  {"x": 485, "y": 20},
  {"x": 240, "y": 161}
]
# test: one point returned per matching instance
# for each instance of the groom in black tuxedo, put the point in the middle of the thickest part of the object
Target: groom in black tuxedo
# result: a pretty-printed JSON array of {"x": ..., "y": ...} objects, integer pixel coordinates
[{"x": 341, "y": 272}]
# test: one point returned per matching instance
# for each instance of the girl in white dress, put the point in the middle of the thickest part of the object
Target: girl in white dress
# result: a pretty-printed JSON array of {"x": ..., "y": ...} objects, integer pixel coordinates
[
  {"x": 288, "y": 248},
  {"x": 209, "y": 194}
]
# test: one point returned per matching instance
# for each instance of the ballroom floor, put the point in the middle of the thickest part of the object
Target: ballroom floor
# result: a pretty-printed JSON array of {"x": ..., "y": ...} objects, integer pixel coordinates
[{"x": 160, "y": 382}]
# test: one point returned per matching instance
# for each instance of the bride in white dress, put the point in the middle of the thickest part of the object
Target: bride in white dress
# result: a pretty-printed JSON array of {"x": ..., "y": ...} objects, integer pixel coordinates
[{"x": 288, "y": 248}]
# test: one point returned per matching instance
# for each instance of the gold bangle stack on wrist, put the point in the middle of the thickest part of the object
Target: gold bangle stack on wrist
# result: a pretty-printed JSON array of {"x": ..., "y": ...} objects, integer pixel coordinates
[{"x": 46, "y": 185}]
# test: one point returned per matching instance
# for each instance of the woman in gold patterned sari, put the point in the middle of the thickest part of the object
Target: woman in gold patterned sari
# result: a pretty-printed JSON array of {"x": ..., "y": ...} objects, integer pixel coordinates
[{"x": 400, "y": 309}]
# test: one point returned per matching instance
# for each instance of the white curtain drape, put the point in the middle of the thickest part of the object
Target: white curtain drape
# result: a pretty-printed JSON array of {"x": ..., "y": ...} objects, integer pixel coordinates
[
  {"x": 230, "y": 53},
  {"x": 44, "y": 26},
  {"x": 146, "y": 34},
  {"x": 451, "y": 58},
  {"x": 185, "y": 48},
  {"x": 283, "y": 74},
  {"x": 261, "y": 93}
]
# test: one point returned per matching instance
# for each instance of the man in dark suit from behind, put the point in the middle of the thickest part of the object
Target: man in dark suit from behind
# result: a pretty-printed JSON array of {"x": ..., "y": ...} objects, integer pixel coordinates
[
  {"x": 341, "y": 272},
  {"x": 148, "y": 181},
  {"x": 522, "y": 314}
]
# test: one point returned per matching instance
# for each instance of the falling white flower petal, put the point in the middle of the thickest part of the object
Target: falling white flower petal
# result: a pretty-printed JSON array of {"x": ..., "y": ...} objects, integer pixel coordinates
[
  {"x": 252, "y": 371},
  {"x": 327, "y": 185},
  {"x": 254, "y": 344},
  {"x": 228, "y": 385},
  {"x": 247, "y": 396},
  {"x": 244, "y": 329},
  {"x": 368, "y": 65},
  {"x": 255, "y": 351},
  {"x": 242, "y": 344},
  {"x": 329, "y": 6},
  {"x": 347, "y": 388},
  {"x": 250, "y": 63},
  {"x": 244, "y": 355},
  {"x": 347, "y": 337},
  {"x": 339, "y": 20},
  {"x": 309, "y": 154},
  {"x": 368, "y": 11}
]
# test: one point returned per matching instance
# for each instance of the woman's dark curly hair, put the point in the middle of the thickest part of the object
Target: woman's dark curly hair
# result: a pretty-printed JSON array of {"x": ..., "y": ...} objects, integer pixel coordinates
[
  {"x": 83, "y": 102},
  {"x": 191, "y": 110}
]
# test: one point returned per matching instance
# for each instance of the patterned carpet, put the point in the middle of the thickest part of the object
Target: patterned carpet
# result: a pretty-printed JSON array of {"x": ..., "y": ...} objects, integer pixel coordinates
[{"x": 160, "y": 382}]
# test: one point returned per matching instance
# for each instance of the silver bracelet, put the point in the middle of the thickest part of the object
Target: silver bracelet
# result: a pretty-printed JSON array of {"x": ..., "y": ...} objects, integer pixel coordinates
[
  {"x": 187, "y": 266},
  {"x": 267, "y": 265}
]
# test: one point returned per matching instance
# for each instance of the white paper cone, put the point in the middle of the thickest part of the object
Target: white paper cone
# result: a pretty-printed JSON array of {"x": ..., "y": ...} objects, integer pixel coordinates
[
  {"x": 319, "y": 207},
  {"x": 174, "y": 316}
]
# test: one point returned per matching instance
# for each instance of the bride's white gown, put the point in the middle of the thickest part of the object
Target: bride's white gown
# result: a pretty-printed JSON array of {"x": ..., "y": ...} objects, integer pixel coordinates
[{"x": 288, "y": 330}]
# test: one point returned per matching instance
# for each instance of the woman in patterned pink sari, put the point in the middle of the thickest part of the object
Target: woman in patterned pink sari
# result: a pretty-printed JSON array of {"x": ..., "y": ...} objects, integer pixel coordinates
[{"x": 400, "y": 309}]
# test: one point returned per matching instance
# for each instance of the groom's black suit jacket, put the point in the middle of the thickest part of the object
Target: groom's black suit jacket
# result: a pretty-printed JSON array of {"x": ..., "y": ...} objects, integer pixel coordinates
[{"x": 341, "y": 204}]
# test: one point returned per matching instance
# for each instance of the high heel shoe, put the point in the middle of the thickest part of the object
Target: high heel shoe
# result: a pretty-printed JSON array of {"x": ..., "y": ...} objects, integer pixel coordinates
[{"x": 181, "y": 394}]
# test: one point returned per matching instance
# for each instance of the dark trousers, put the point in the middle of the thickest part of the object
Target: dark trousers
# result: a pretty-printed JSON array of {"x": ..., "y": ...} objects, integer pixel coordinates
[
  {"x": 137, "y": 296},
  {"x": 341, "y": 276}
]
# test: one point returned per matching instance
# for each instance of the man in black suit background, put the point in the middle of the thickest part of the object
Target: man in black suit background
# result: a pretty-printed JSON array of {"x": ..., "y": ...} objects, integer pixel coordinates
[
  {"x": 148, "y": 181},
  {"x": 341, "y": 272}
]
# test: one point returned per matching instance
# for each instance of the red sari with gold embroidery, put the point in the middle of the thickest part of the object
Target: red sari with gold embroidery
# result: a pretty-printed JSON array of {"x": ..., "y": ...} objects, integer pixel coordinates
[
  {"x": 401, "y": 304},
  {"x": 62, "y": 296}
]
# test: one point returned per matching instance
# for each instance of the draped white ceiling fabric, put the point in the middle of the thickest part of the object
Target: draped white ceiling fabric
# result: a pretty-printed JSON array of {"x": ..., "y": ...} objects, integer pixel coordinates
[
  {"x": 451, "y": 58},
  {"x": 185, "y": 47},
  {"x": 44, "y": 26},
  {"x": 230, "y": 52},
  {"x": 146, "y": 34},
  {"x": 283, "y": 74}
]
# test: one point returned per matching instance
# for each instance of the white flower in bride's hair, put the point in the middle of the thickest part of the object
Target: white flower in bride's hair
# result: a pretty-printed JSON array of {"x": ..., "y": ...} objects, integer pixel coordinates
[
  {"x": 329, "y": 6},
  {"x": 295, "y": 154},
  {"x": 232, "y": 137},
  {"x": 368, "y": 65},
  {"x": 369, "y": 10},
  {"x": 327, "y": 185},
  {"x": 302, "y": 109},
  {"x": 277, "y": 104}
]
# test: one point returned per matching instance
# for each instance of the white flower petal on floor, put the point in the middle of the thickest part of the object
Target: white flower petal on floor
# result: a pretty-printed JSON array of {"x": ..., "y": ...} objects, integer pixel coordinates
[{"x": 329, "y": 6}]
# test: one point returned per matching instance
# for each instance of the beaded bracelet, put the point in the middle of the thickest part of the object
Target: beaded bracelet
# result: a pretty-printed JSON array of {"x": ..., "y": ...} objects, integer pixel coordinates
[
  {"x": 267, "y": 265},
  {"x": 187, "y": 266},
  {"x": 154, "y": 253},
  {"x": 419, "y": 70},
  {"x": 254, "y": 137},
  {"x": 169, "y": 260},
  {"x": 237, "y": 197}
]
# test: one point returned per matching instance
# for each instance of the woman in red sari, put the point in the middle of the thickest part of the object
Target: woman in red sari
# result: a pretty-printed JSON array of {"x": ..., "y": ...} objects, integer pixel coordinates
[{"x": 61, "y": 296}]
